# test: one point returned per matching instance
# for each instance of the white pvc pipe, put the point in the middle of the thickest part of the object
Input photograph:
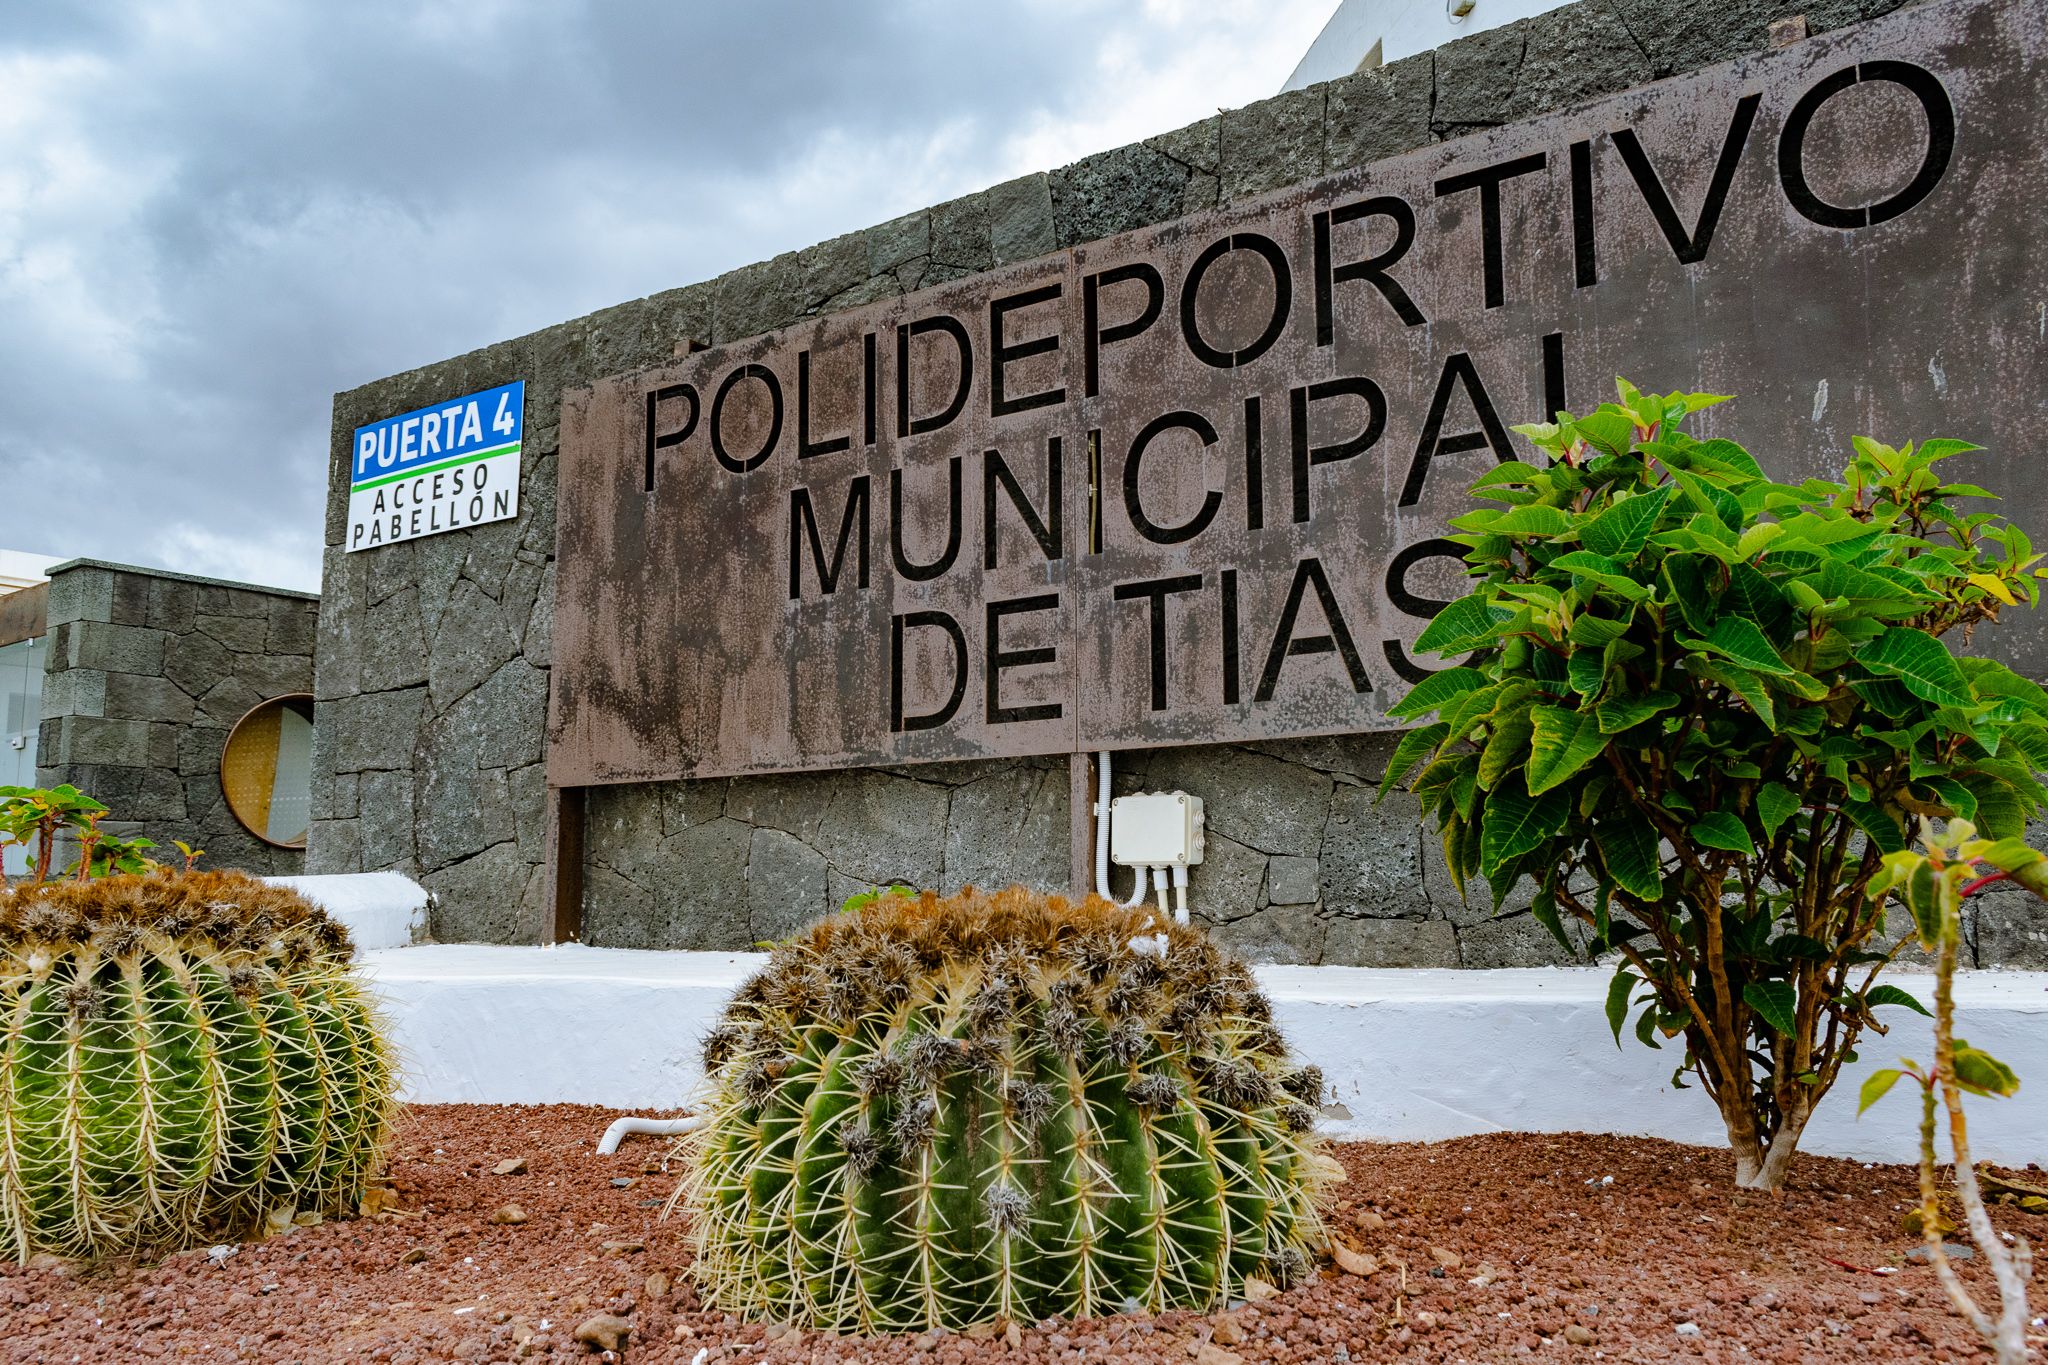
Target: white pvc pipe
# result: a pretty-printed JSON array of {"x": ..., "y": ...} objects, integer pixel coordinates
[
  {"x": 1102, "y": 838},
  {"x": 633, "y": 1123}
]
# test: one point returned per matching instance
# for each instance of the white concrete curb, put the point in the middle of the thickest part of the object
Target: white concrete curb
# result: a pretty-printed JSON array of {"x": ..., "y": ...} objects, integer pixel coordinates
[
  {"x": 380, "y": 909},
  {"x": 1412, "y": 1054}
]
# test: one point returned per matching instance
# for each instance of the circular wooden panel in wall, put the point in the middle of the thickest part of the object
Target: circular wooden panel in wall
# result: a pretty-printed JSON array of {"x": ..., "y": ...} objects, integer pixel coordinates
[{"x": 266, "y": 770}]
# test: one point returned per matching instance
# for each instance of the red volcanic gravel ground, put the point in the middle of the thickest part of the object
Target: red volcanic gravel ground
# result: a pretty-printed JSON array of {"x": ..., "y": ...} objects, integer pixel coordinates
[{"x": 1485, "y": 1249}]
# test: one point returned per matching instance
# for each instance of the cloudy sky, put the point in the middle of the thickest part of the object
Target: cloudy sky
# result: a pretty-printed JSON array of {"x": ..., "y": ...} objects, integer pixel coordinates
[{"x": 214, "y": 214}]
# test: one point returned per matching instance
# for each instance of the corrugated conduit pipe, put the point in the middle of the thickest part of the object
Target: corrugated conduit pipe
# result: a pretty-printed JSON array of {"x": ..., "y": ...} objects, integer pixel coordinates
[
  {"x": 1102, "y": 838},
  {"x": 633, "y": 1123}
]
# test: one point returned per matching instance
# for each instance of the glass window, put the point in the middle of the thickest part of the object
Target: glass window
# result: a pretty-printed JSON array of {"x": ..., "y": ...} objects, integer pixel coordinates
[{"x": 267, "y": 770}]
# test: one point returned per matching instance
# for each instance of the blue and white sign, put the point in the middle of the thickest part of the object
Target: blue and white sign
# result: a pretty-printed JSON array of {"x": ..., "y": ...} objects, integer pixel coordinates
[{"x": 437, "y": 469}]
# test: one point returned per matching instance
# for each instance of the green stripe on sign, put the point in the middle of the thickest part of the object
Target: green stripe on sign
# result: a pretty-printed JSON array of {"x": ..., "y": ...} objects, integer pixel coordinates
[{"x": 512, "y": 449}]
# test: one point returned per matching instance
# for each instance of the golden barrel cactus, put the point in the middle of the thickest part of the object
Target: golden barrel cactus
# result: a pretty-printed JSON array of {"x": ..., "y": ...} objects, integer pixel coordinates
[
  {"x": 181, "y": 1055},
  {"x": 937, "y": 1112}
]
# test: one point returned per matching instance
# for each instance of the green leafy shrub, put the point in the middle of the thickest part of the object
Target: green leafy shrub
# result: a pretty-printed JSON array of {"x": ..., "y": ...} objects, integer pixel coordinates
[
  {"x": 937, "y": 1113},
  {"x": 182, "y": 1056},
  {"x": 1705, "y": 706}
]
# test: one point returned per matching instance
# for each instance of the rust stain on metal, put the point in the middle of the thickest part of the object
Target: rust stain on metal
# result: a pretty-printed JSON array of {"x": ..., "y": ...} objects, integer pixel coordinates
[{"x": 1190, "y": 484}]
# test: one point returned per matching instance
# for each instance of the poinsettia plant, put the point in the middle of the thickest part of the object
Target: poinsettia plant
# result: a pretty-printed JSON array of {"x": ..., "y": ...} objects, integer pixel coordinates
[{"x": 1703, "y": 706}]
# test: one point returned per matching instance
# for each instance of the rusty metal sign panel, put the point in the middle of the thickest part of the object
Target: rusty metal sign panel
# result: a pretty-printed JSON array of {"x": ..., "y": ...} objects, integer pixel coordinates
[{"x": 1190, "y": 483}]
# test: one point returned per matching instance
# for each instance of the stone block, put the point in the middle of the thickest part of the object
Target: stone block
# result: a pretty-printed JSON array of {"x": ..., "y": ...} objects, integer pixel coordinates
[
  {"x": 199, "y": 750},
  {"x": 74, "y": 692},
  {"x": 785, "y": 882},
  {"x": 1260, "y": 801},
  {"x": 228, "y": 700},
  {"x": 1115, "y": 191},
  {"x": 291, "y": 626},
  {"x": 94, "y": 740},
  {"x": 2012, "y": 931},
  {"x": 1272, "y": 144},
  {"x": 757, "y": 298},
  {"x": 794, "y": 802},
  {"x": 1293, "y": 880},
  {"x": 276, "y": 675},
  {"x": 1372, "y": 856},
  {"x": 172, "y": 605},
  {"x": 470, "y": 645},
  {"x": 960, "y": 233},
  {"x": 196, "y": 662},
  {"x": 1224, "y": 886},
  {"x": 1379, "y": 113},
  {"x": 1009, "y": 828},
  {"x": 1280, "y": 933},
  {"x": 899, "y": 242},
  {"x": 881, "y": 828},
  {"x": 1576, "y": 54},
  {"x": 376, "y": 731},
  {"x": 1353, "y": 942},
  {"x": 1021, "y": 224},
  {"x": 1517, "y": 940},
  {"x": 701, "y": 896},
  {"x": 1685, "y": 34},
  {"x": 331, "y": 846},
  {"x": 1199, "y": 147},
  {"x": 217, "y": 599},
  {"x": 537, "y": 642},
  {"x": 82, "y": 594},
  {"x": 528, "y": 789},
  {"x": 386, "y": 823},
  {"x": 115, "y": 649},
  {"x": 623, "y": 830},
  {"x": 618, "y": 912},
  {"x": 685, "y": 805},
  {"x": 481, "y": 900},
  {"x": 131, "y": 599},
  {"x": 498, "y": 725}
]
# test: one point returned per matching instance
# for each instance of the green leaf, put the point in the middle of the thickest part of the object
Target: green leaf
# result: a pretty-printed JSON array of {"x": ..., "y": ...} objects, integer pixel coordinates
[
  {"x": 1532, "y": 519},
  {"x": 1619, "y": 713},
  {"x": 1719, "y": 829},
  {"x": 1415, "y": 746},
  {"x": 1619, "y": 532},
  {"x": 1743, "y": 683},
  {"x": 1434, "y": 690},
  {"x": 1881, "y": 828},
  {"x": 1724, "y": 457},
  {"x": 1736, "y": 639},
  {"x": 1618, "y": 992},
  {"x": 1888, "y": 994},
  {"x": 1875, "y": 1087},
  {"x": 1471, "y": 622},
  {"x": 1921, "y": 662},
  {"x": 1775, "y": 1001},
  {"x": 1980, "y": 1073},
  {"x": 1775, "y": 804},
  {"x": 1629, "y": 847},
  {"x": 1507, "y": 748},
  {"x": 1517, "y": 823},
  {"x": 1562, "y": 742}
]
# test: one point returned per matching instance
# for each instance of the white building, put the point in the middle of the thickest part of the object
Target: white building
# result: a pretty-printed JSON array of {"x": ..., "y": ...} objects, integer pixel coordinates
[
  {"x": 19, "y": 570},
  {"x": 1363, "y": 34}
]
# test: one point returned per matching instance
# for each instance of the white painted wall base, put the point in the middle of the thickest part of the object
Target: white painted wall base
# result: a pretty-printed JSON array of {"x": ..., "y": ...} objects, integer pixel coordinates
[
  {"x": 1412, "y": 1054},
  {"x": 380, "y": 909}
]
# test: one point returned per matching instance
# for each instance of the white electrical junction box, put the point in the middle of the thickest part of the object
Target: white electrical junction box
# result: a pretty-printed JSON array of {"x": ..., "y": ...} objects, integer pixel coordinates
[{"x": 1156, "y": 829}]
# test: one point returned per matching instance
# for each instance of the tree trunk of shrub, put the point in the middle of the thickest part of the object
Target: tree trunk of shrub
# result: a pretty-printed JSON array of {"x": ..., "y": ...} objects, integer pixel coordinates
[{"x": 1761, "y": 1163}]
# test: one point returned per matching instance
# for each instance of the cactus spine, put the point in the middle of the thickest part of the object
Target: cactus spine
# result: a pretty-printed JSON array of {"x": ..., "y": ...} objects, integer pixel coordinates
[
  {"x": 938, "y": 1112},
  {"x": 180, "y": 1056}
]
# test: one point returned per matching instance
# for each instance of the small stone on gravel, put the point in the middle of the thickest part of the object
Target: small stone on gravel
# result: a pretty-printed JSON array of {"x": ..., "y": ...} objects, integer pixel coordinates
[
  {"x": 511, "y": 1165},
  {"x": 1579, "y": 1336},
  {"x": 603, "y": 1332},
  {"x": 413, "y": 1256},
  {"x": 622, "y": 1182},
  {"x": 509, "y": 1215},
  {"x": 1956, "y": 1251},
  {"x": 1687, "y": 1329}
]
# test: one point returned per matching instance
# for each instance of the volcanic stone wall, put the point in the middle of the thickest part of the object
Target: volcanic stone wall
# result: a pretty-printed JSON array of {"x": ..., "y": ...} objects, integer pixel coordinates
[
  {"x": 145, "y": 674},
  {"x": 434, "y": 654}
]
